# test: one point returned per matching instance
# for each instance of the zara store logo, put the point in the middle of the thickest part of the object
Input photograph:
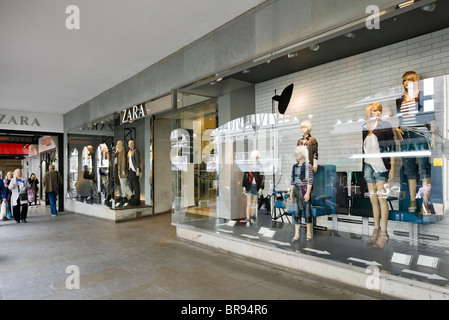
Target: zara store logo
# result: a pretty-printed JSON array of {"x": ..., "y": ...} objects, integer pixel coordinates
[{"x": 18, "y": 120}]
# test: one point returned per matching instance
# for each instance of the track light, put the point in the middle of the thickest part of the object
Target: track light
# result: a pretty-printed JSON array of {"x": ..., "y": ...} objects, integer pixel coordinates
[
  {"x": 429, "y": 7},
  {"x": 350, "y": 35},
  {"x": 315, "y": 47}
]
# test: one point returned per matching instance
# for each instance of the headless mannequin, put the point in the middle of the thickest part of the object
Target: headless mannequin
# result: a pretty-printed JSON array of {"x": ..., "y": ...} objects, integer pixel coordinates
[
  {"x": 122, "y": 169},
  {"x": 410, "y": 82},
  {"x": 134, "y": 171},
  {"x": 300, "y": 159},
  {"x": 251, "y": 198}
]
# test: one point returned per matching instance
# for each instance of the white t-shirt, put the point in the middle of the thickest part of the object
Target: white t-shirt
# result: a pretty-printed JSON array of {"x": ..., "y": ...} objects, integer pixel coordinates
[{"x": 371, "y": 146}]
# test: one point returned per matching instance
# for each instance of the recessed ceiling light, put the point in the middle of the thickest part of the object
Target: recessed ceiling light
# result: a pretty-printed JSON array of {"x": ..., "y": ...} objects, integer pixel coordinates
[
  {"x": 246, "y": 71},
  {"x": 350, "y": 35},
  {"x": 292, "y": 55},
  {"x": 315, "y": 47}
]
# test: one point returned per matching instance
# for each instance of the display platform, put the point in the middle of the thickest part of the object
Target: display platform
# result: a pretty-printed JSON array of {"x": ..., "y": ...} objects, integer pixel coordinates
[
  {"x": 104, "y": 212},
  {"x": 422, "y": 263}
]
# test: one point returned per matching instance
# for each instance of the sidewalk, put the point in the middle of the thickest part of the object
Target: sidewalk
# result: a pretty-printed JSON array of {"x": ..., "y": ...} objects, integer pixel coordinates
[{"x": 139, "y": 259}]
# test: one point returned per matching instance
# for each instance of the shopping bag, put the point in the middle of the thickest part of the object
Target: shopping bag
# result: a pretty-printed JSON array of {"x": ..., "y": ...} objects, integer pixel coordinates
[
  {"x": 8, "y": 212},
  {"x": 3, "y": 209},
  {"x": 31, "y": 195}
]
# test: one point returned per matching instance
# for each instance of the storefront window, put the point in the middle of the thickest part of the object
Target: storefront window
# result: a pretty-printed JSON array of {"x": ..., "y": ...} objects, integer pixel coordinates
[
  {"x": 372, "y": 169},
  {"x": 107, "y": 163}
]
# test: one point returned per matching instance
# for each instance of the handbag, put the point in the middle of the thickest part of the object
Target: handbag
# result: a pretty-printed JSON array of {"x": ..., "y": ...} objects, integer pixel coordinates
[{"x": 23, "y": 196}]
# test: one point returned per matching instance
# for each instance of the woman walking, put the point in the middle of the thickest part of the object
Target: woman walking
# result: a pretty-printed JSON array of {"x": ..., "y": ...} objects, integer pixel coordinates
[{"x": 19, "y": 197}]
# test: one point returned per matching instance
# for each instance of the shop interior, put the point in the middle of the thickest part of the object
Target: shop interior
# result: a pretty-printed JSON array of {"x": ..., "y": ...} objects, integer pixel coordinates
[{"x": 33, "y": 153}]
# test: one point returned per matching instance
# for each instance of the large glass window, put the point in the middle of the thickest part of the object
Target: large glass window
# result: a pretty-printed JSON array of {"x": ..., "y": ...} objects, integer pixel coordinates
[
  {"x": 107, "y": 163},
  {"x": 358, "y": 174}
]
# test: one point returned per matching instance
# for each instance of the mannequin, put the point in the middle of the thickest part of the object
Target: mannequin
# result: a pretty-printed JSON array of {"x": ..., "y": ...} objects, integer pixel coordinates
[
  {"x": 415, "y": 132},
  {"x": 378, "y": 137},
  {"x": 134, "y": 171},
  {"x": 302, "y": 182},
  {"x": 121, "y": 162},
  {"x": 253, "y": 184},
  {"x": 90, "y": 175},
  {"x": 310, "y": 142}
]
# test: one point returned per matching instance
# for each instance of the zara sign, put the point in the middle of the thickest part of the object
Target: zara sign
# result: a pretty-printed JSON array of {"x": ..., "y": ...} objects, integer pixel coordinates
[
  {"x": 133, "y": 113},
  {"x": 31, "y": 121}
]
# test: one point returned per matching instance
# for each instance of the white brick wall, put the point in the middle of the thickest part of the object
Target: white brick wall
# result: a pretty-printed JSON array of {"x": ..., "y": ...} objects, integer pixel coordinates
[{"x": 324, "y": 93}]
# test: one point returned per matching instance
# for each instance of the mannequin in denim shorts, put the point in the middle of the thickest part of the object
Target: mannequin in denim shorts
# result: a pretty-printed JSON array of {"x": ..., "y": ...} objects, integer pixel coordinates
[
  {"x": 253, "y": 184},
  {"x": 416, "y": 133},
  {"x": 378, "y": 137},
  {"x": 302, "y": 182}
]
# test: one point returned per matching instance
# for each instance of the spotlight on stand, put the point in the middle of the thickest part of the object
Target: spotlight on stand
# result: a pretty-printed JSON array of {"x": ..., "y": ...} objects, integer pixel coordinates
[{"x": 283, "y": 99}]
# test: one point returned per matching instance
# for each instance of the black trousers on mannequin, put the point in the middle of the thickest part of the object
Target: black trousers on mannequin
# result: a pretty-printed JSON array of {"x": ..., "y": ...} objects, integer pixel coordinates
[
  {"x": 135, "y": 186},
  {"x": 20, "y": 211}
]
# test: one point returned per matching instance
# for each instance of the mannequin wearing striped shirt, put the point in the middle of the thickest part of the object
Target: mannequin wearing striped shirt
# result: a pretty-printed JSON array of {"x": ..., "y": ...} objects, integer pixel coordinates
[{"x": 416, "y": 133}]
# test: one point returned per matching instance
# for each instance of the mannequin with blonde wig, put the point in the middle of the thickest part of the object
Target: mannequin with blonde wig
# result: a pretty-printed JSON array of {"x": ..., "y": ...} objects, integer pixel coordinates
[
  {"x": 416, "y": 131},
  {"x": 377, "y": 137},
  {"x": 300, "y": 192}
]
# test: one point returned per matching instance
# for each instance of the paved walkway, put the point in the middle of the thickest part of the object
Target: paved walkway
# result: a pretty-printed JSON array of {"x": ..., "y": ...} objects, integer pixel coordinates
[{"x": 139, "y": 259}]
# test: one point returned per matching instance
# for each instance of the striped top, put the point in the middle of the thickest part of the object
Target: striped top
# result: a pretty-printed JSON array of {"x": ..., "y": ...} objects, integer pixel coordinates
[
  {"x": 412, "y": 116},
  {"x": 302, "y": 175},
  {"x": 409, "y": 110}
]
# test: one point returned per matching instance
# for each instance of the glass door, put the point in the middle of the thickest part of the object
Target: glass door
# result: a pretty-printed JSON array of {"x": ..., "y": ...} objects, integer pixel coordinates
[{"x": 192, "y": 156}]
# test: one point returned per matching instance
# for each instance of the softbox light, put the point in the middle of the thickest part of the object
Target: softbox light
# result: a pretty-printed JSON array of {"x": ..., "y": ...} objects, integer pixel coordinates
[{"x": 284, "y": 99}]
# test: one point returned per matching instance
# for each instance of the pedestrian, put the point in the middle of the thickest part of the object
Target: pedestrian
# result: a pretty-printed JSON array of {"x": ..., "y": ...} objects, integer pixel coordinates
[
  {"x": 52, "y": 181},
  {"x": 19, "y": 197},
  {"x": 3, "y": 199},
  {"x": 8, "y": 196},
  {"x": 34, "y": 188}
]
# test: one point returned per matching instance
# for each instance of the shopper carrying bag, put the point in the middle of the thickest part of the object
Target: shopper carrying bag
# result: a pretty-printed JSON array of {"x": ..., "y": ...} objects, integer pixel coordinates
[{"x": 19, "y": 197}]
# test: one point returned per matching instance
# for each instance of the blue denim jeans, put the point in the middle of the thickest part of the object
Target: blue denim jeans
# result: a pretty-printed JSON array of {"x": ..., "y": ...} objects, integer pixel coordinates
[
  {"x": 304, "y": 208},
  {"x": 371, "y": 176},
  {"x": 415, "y": 142},
  {"x": 253, "y": 191},
  {"x": 52, "y": 198}
]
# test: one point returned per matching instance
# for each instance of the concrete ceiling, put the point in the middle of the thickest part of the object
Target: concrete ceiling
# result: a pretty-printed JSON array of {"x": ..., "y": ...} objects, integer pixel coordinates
[{"x": 45, "y": 67}]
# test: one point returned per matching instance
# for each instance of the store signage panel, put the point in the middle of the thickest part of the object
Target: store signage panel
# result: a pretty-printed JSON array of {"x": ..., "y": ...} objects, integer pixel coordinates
[
  {"x": 47, "y": 143},
  {"x": 31, "y": 121},
  {"x": 132, "y": 114},
  {"x": 428, "y": 261},
  {"x": 401, "y": 258}
]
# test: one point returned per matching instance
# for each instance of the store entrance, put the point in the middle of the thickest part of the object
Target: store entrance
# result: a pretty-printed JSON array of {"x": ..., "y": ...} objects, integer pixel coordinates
[
  {"x": 32, "y": 153},
  {"x": 192, "y": 155}
]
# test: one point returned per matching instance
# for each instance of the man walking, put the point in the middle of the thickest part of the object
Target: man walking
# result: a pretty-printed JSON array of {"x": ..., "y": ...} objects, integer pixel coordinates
[{"x": 52, "y": 180}]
